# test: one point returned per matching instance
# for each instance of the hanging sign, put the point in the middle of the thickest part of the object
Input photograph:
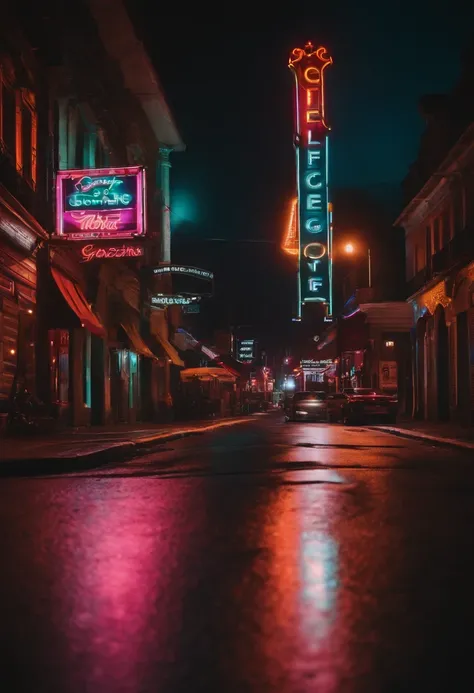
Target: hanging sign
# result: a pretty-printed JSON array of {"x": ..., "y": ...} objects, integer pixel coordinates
[
  {"x": 100, "y": 203},
  {"x": 311, "y": 143},
  {"x": 173, "y": 300},
  {"x": 184, "y": 270}
]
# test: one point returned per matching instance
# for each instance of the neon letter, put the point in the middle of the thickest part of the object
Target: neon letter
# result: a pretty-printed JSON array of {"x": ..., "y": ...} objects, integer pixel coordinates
[
  {"x": 312, "y": 75},
  {"x": 316, "y": 143},
  {"x": 314, "y": 226},
  {"x": 311, "y": 183},
  {"x": 314, "y": 156},
  {"x": 313, "y": 116},
  {"x": 314, "y": 202},
  {"x": 312, "y": 98}
]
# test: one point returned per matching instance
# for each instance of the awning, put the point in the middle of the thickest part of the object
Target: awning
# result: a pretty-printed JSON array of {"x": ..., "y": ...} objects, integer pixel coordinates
[
  {"x": 139, "y": 346},
  {"x": 77, "y": 302},
  {"x": 170, "y": 351},
  {"x": 207, "y": 375}
]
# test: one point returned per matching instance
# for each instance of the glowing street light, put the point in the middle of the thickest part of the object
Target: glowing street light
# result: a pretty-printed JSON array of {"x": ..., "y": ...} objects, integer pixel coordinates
[{"x": 350, "y": 249}]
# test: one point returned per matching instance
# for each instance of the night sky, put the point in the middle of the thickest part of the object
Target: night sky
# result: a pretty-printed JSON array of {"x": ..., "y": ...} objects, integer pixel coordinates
[{"x": 228, "y": 84}]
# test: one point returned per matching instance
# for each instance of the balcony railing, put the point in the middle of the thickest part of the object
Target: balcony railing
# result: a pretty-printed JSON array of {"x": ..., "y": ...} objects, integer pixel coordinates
[
  {"x": 459, "y": 251},
  {"x": 418, "y": 281}
]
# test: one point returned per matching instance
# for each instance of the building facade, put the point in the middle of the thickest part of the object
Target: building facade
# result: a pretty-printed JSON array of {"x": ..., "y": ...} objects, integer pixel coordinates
[
  {"x": 438, "y": 220},
  {"x": 439, "y": 228},
  {"x": 101, "y": 353},
  {"x": 25, "y": 206}
]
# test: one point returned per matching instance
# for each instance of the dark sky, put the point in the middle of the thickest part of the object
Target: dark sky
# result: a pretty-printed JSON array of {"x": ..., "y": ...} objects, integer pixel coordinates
[{"x": 228, "y": 84}]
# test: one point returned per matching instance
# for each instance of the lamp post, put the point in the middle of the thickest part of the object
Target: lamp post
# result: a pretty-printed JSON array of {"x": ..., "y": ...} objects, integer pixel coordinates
[{"x": 350, "y": 249}]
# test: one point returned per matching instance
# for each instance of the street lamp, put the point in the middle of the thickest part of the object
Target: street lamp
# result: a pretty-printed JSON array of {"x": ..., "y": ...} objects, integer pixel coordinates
[{"x": 350, "y": 249}]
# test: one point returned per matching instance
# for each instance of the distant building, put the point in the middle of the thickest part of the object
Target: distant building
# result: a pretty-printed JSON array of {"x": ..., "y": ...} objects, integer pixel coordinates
[{"x": 439, "y": 230}]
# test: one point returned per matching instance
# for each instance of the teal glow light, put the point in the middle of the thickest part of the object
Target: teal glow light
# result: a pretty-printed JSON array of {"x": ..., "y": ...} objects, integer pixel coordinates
[{"x": 184, "y": 210}]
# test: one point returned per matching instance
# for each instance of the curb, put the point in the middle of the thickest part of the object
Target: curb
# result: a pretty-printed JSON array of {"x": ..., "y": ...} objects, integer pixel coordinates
[
  {"x": 100, "y": 457},
  {"x": 424, "y": 437}
]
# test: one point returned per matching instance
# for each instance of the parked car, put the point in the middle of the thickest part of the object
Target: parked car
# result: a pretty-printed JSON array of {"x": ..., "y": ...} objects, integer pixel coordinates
[
  {"x": 336, "y": 404},
  {"x": 366, "y": 404},
  {"x": 308, "y": 406}
]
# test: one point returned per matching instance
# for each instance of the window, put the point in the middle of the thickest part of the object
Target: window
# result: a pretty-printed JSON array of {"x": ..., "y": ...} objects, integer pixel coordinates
[
  {"x": 437, "y": 235},
  {"x": 8, "y": 123},
  {"x": 18, "y": 128},
  {"x": 428, "y": 246},
  {"x": 458, "y": 208},
  {"x": 445, "y": 227},
  {"x": 27, "y": 133}
]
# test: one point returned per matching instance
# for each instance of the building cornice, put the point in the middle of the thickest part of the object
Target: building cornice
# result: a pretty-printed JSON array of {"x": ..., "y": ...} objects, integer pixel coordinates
[
  {"x": 120, "y": 41},
  {"x": 430, "y": 194}
]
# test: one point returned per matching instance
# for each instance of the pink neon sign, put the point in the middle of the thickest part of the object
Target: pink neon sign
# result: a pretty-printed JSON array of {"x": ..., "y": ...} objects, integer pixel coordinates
[
  {"x": 92, "y": 251},
  {"x": 101, "y": 203}
]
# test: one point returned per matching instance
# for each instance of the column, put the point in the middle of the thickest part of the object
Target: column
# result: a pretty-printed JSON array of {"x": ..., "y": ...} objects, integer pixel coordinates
[
  {"x": 63, "y": 133},
  {"x": 165, "y": 166}
]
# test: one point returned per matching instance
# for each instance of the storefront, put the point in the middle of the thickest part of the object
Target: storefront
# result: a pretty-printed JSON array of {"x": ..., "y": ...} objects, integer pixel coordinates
[
  {"x": 71, "y": 344},
  {"x": 20, "y": 236},
  {"x": 443, "y": 348}
]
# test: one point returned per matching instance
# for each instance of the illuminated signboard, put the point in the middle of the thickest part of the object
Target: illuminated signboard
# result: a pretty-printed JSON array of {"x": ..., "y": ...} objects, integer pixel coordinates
[
  {"x": 171, "y": 300},
  {"x": 184, "y": 270},
  {"x": 311, "y": 144},
  {"x": 94, "y": 251},
  {"x": 246, "y": 350},
  {"x": 315, "y": 364},
  {"x": 101, "y": 203}
]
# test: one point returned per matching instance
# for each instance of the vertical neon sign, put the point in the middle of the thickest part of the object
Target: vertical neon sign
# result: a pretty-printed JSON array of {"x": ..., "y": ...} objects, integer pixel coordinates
[{"x": 311, "y": 144}]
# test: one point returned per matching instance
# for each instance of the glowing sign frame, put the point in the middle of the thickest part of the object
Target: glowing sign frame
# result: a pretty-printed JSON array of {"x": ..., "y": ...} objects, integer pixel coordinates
[
  {"x": 102, "y": 215},
  {"x": 184, "y": 270},
  {"x": 314, "y": 223}
]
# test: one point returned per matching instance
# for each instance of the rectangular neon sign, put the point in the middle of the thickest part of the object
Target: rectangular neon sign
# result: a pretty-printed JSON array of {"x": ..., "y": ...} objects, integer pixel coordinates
[{"x": 101, "y": 203}]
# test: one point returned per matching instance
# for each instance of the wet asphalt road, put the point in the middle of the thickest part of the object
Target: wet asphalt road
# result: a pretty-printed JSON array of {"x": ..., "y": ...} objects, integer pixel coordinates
[{"x": 262, "y": 557}]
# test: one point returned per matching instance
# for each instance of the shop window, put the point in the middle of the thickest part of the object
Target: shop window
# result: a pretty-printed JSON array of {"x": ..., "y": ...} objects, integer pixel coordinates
[
  {"x": 59, "y": 365},
  {"x": 133, "y": 380}
]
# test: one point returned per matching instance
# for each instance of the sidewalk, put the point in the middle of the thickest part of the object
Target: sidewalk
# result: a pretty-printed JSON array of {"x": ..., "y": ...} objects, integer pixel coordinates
[
  {"x": 441, "y": 433},
  {"x": 85, "y": 448}
]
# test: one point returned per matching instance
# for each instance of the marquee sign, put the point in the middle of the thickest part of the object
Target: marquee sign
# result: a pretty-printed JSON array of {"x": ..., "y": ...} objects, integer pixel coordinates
[
  {"x": 311, "y": 144},
  {"x": 310, "y": 364},
  {"x": 184, "y": 270},
  {"x": 100, "y": 203}
]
